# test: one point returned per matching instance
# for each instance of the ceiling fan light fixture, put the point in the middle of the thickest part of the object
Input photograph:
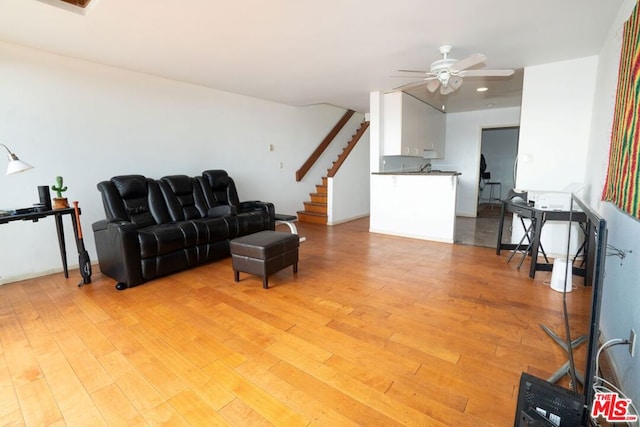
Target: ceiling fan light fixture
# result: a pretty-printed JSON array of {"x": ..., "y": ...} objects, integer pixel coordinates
[
  {"x": 455, "y": 82},
  {"x": 444, "y": 78},
  {"x": 446, "y": 90},
  {"x": 432, "y": 86}
]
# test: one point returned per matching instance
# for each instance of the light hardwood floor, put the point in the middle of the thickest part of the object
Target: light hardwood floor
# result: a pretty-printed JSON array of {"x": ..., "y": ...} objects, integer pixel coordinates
[{"x": 373, "y": 330}]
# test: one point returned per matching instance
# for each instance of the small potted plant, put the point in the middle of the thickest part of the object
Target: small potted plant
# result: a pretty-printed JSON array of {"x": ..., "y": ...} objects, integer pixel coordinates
[{"x": 59, "y": 202}]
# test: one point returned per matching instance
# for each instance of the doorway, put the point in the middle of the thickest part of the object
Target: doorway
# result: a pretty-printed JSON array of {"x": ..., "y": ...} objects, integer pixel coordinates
[{"x": 499, "y": 148}]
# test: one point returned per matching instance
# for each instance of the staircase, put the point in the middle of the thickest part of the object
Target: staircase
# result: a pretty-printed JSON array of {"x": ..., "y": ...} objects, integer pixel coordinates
[{"x": 315, "y": 211}]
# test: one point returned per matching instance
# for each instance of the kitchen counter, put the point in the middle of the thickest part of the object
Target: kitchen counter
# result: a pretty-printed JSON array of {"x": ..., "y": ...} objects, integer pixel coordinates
[
  {"x": 433, "y": 172},
  {"x": 420, "y": 205}
]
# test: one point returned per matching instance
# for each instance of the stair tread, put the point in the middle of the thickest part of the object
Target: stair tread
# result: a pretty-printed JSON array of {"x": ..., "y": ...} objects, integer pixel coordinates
[
  {"x": 316, "y": 207},
  {"x": 312, "y": 217},
  {"x": 322, "y": 215}
]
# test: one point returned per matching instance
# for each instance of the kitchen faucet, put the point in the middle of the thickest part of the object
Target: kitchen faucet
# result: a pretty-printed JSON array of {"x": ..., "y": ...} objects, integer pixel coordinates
[{"x": 426, "y": 166}]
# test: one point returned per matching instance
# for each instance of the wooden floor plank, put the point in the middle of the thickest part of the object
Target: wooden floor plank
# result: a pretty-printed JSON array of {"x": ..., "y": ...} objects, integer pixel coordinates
[
  {"x": 255, "y": 397},
  {"x": 354, "y": 388},
  {"x": 115, "y": 408},
  {"x": 195, "y": 411},
  {"x": 10, "y": 412},
  {"x": 303, "y": 401},
  {"x": 328, "y": 396},
  {"x": 373, "y": 330},
  {"x": 38, "y": 404}
]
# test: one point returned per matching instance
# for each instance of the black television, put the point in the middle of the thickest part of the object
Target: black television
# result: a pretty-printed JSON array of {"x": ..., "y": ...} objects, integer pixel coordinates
[
  {"x": 536, "y": 395},
  {"x": 595, "y": 252}
]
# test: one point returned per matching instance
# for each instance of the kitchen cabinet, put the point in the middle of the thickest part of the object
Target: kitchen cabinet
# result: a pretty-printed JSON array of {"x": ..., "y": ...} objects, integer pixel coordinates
[{"x": 412, "y": 126}]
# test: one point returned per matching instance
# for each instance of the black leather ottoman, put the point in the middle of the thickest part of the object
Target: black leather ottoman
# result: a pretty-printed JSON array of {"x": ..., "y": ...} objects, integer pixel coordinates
[{"x": 264, "y": 253}]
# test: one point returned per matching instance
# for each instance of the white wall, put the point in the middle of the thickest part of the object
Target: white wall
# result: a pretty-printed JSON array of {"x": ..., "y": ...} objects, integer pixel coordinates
[
  {"x": 557, "y": 107},
  {"x": 462, "y": 150},
  {"x": 621, "y": 293},
  {"x": 349, "y": 188},
  {"x": 376, "y": 131},
  {"x": 89, "y": 122}
]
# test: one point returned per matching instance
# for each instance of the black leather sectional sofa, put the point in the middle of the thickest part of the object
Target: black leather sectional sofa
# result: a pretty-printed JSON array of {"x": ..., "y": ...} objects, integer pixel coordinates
[{"x": 158, "y": 227}]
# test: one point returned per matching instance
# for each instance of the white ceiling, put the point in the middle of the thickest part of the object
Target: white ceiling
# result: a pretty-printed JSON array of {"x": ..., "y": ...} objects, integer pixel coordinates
[{"x": 302, "y": 52}]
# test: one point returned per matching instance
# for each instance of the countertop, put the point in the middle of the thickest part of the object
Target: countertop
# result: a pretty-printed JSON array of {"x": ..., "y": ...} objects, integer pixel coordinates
[{"x": 433, "y": 172}]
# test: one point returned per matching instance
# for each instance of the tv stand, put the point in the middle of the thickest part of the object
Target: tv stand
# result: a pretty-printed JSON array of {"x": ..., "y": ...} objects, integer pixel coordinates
[{"x": 564, "y": 369}]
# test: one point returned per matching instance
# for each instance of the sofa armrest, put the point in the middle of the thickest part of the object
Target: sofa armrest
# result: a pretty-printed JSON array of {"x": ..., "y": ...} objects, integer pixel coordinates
[
  {"x": 263, "y": 206},
  {"x": 222, "y": 210},
  {"x": 118, "y": 250}
]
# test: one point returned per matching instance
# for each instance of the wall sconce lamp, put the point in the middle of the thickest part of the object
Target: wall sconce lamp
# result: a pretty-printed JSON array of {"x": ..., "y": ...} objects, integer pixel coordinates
[{"x": 15, "y": 164}]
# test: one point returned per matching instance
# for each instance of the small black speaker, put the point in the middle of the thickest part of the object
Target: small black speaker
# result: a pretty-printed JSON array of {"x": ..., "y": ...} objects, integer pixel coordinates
[{"x": 45, "y": 198}]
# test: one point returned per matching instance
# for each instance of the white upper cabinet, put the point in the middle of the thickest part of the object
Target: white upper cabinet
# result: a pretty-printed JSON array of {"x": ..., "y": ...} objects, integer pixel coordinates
[{"x": 411, "y": 126}]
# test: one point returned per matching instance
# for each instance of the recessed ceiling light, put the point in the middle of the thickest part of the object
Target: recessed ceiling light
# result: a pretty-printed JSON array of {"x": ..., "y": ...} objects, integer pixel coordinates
[
  {"x": 482, "y": 89},
  {"x": 443, "y": 107}
]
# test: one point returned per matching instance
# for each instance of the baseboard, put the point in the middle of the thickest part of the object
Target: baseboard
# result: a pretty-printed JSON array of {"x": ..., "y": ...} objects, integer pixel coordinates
[
  {"x": 342, "y": 221},
  {"x": 411, "y": 236},
  {"x": 20, "y": 277},
  {"x": 4, "y": 280}
]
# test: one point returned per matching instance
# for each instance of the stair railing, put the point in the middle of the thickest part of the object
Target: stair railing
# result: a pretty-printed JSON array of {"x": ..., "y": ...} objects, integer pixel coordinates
[
  {"x": 300, "y": 173},
  {"x": 345, "y": 153}
]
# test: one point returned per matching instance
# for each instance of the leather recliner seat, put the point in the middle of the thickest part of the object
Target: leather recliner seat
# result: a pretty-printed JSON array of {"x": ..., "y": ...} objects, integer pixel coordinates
[{"x": 158, "y": 227}]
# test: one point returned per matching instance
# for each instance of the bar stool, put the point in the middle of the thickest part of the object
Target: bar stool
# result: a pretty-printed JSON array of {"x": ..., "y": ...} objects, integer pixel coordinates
[{"x": 492, "y": 197}]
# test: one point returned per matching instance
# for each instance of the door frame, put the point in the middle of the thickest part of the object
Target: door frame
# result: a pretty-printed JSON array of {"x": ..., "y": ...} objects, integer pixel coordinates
[{"x": 479, "y": 153}]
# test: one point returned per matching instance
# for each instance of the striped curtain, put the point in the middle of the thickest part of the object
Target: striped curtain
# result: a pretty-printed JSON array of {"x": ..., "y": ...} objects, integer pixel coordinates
[{"x": 623, "y": 176}]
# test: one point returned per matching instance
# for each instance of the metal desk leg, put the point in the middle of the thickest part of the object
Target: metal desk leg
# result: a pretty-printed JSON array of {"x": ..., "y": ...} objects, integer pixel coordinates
[
  {"x": 61, "y": 243},
  {"x": 526, "y": 235},
  {"x": 499, "y": 245},
  {"x": 535, "y": 245}
]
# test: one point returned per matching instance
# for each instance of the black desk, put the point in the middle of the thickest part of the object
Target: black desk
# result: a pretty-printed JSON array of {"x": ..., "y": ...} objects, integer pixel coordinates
[
  {"x": 540, "y": 217},
  {"x": 57, "y": 214}
]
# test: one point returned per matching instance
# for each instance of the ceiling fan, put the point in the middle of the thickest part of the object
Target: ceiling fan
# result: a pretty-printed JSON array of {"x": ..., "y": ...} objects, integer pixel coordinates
[{"x": 447, "y": 73}]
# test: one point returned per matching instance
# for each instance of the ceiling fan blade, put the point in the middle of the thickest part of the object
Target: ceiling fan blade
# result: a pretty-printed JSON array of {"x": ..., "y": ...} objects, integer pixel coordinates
[
  {"x": 433, "y": 85},
  {"x": 414, "y": 71},
  {"x": 422, "y": 75},
  {"x": 468, "y": 62},
  {"x": 411, "y": 85},
  {"x": 486, "y": 73}
]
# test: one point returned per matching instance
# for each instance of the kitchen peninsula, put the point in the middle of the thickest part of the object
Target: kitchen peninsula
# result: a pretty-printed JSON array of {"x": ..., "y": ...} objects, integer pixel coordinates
[{"x": 415, "y": 204}]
